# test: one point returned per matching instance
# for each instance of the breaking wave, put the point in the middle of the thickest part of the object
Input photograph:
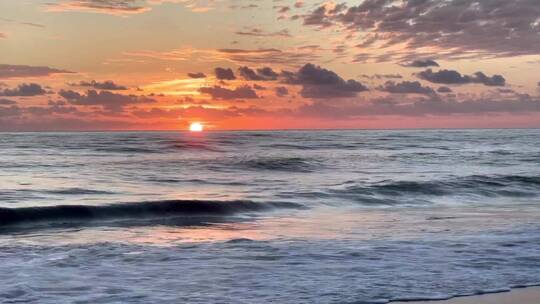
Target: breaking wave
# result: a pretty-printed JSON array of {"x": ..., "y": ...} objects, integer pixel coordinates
[{"x": 156, "y": 209}]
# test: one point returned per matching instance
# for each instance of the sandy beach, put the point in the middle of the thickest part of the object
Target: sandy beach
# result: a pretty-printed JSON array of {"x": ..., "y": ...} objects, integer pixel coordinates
[{"x": 529, "y": 295}]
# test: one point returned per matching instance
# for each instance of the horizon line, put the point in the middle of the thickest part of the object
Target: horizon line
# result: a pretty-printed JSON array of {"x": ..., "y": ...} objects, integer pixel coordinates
[{"x": 267, "y": 130}]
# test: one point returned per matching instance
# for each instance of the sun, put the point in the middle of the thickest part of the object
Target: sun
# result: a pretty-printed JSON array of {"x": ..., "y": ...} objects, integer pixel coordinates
[{"x": 196, "y": 127}]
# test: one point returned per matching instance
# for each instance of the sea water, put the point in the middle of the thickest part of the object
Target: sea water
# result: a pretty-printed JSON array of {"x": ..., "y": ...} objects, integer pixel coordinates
[{"x": 347, "y": 216}]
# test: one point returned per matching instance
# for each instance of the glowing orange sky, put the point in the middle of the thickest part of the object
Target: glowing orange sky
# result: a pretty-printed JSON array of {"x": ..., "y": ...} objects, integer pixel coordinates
[{"x": 247, "y": 64}]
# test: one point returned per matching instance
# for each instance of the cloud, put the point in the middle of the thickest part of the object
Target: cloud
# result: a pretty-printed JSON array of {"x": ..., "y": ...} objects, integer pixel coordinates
[
  {"x": 105, "y": 85},
  {"x": 68, "y": 124},
  {"x": 193, "y": 112},
  {"x": 493, "y": 81},
  {"x": 381, "y": 76},
  {"x": 418, "y": 107},
  {"x": 291, "y": 57},
  {"x": 111, "y": 7},
  {"x": 247, "y": 6},
  {"x": 318, "y": 82},
  {"x": 453, "y": 27},
  {"x": 123, "y": 7},
  {"x": 249, "y": 74},
  {"x": 21, "y": 71},
  {"x": 22, "y": 23},
  {"x": 11, "y": 111},
  {"x": 25, "y": 89},
  {"x": 262, "y": 74},
  {"x": 242, "y": 92},
  {"x": 257, "y": 32},
  {"x": 268, "y": 73},
  {"x": 282, "y": 9},
  {"x": 444, "y": 89},
  {"x": 217, "y": 92},
  {"x": 406, "y": 87},
  {"x": 281, "y": 91},
  {"x": 506, "y": 91},
  {"x": 197, "y": 113},
  {"x": 420, "y": 63},
  {"x": 52, "y": 108},
  {"x": 196, "y": 75},
  {"x": 7, "y": 102},
  {"x": 158, "y": 113},
  {"x": 224, "y": 73},
  {"x": 109, "y": 101},
  {"x": 2, "y": 35},
  {"x": 454, "y": 77}
]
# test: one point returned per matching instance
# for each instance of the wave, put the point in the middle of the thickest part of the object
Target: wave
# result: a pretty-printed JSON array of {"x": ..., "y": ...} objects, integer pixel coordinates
[
  {"x": 475, "y": 185},
  {"x": 196, "y": 181},
  {"x": 153, "y": 209},
  {"x": 289, "y": 164},
  {"x": 77, "y": 191},
  {"x": 194, "y": 146},
  {"x": 129, "y": 150}
]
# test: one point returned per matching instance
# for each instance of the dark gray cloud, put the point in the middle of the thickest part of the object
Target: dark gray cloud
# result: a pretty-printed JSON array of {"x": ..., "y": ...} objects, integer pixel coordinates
[
  {"x": 444, "y": 89},
  {"x": 282, "y": 9},
  {"x": 421, "y": 63},
  {"x": 320, "y": 16},
  {"x": 105, "y": 85},
  {"x": 281, "y": 91},
  {"x": 196, "y": 75},
  {"x": 25, "y": 89},
  {"x": 268, "y": 73},
  {"x": 262, "y": 74},
  {"x": 224, "y": 73},
  {"x": 457, "y": 27},
  {"x": 32, "y": 24},
  {"x": 52, "y": 108},
  {"x": 20, "y": 71},
  {"x": 493, "y": 81},
  {"x": 109, "y": 101},
  {"x": 11, "y": 111},
  {"x": 7, "y": 102},
  {"x": 256, "y": 32},
  {"x": 242, "y": 92},
  {"x": 454, "y": 77},
  {"x": 318, "y": 82},
  {"x": 406, "y": 87},
  {"x": 68, "y": 124},
  {"x": 249, "y": 74},
  {"x": 42, "y": 111}
]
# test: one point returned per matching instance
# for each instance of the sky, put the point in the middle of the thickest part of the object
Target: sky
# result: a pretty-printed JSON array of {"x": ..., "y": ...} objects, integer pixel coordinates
[{"x": 268, "y": 64}]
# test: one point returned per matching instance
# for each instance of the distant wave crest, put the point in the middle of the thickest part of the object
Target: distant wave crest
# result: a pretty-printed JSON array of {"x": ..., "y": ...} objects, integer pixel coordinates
[
  {"x": 290, "y": 164},
  {"x": 393, "y": 192}
]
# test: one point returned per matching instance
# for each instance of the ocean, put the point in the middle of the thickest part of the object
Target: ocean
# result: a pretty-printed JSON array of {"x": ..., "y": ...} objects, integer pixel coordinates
[{"x": 349, "y": 216}]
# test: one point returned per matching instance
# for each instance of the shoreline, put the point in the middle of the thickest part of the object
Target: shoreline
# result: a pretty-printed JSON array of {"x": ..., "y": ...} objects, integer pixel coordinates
[{"x": 521, "y": 295}]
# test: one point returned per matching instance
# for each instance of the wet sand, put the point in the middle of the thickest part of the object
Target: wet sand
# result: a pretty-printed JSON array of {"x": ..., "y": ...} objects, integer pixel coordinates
[{"x": 529, "y": 295}]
